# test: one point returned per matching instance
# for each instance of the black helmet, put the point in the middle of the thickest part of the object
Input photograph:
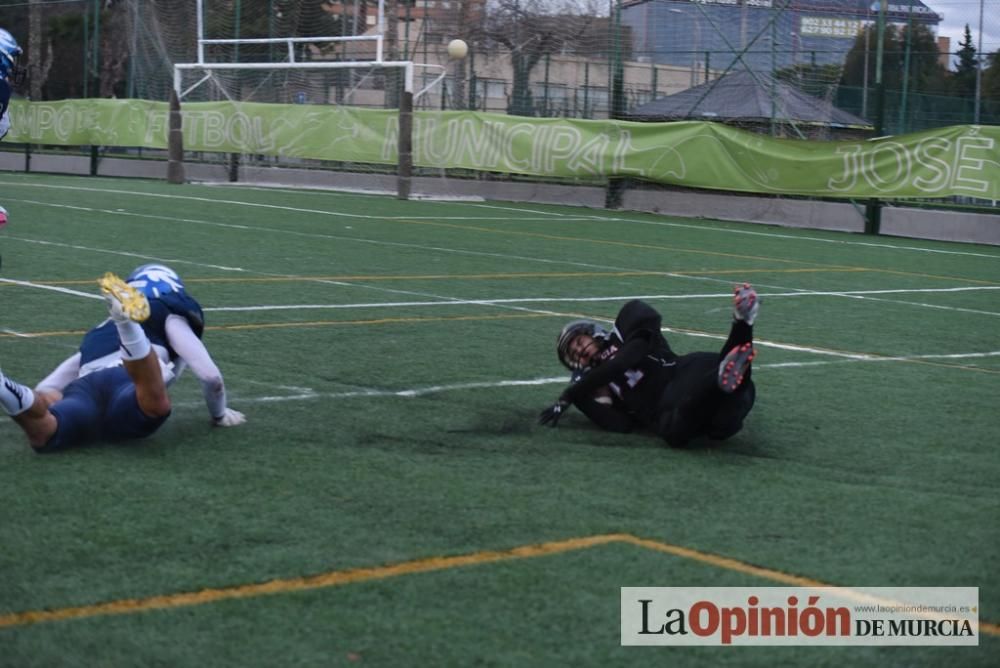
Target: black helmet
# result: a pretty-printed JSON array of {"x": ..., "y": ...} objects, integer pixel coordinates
[{"x": 570, "y": 332}]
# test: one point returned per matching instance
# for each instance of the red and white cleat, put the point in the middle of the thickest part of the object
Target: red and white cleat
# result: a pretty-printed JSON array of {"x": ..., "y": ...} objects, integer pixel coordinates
[
  {"x": 745, "y": 303},
  {"x": 733, "y": 367}
]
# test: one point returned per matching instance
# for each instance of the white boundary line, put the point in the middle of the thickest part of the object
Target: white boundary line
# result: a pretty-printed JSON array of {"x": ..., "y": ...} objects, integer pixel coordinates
[
  {"x": 728, "y": 229},
  {"x": 854, "y": 294},
  {"x": 552, "y": 214},
  {"x": 447, "y": 301},
  {"x": 617, "y": 298},
  {"x": 51, "y": 288},
  {"x": 758, "y": 342},
  {"x": 307, "y": 394},
  {"x": 416, "y": 246}
]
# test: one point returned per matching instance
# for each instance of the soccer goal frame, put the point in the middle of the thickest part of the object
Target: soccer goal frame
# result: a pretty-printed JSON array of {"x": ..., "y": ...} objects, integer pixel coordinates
[{"x": 407, "y": 98}]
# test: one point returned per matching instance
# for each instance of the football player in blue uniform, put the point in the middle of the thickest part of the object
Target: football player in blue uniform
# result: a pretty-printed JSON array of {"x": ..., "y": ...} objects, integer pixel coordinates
[
  {"x": 10, "y": 53},
  {"x": 115, "y": 387},
  {"x": 630, "y": 378}
]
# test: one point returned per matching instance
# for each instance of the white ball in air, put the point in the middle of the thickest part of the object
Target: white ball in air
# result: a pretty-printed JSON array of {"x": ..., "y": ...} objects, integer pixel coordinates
[{"x": 457, "y": 49}]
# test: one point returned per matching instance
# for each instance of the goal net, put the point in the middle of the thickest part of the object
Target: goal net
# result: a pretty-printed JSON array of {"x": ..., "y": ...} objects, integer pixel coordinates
[{"x": 341, "y": 55}]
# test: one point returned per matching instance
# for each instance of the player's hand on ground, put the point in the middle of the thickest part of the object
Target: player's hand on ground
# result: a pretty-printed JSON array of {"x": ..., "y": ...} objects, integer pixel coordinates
[
  {"x": 230, "y": 418},
  {"x": 550, "y": 416}
]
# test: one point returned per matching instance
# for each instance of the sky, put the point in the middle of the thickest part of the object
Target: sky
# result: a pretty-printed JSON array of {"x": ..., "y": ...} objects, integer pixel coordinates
[{"x": 958, "y": 13}]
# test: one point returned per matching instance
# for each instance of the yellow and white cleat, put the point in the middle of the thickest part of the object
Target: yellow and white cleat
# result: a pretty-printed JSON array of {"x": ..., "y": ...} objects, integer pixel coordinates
[{"x": 124, "y": 301}]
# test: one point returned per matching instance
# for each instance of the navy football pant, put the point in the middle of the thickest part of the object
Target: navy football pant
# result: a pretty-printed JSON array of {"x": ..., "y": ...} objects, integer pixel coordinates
[{"x": 100, "y": 406}]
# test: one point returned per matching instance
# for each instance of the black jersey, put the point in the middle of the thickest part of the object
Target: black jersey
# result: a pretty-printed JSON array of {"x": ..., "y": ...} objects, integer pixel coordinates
[
  {"x": 639, "y": 387},
  {"x": 635, "y": 364}
]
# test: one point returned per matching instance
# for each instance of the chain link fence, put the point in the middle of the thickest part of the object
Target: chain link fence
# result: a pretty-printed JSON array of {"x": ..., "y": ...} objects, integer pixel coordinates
[{"x": 918, "y": 68}]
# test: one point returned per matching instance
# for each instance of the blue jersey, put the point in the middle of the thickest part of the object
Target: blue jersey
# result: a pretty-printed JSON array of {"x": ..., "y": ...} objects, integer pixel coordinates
[
  {"x": 4, "y": 102},
  {"x": 102, "y": 340},
  {"x": 4, "y": 96}
]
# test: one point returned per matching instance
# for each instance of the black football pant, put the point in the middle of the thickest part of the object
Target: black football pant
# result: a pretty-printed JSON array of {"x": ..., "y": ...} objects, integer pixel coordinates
[{"x": 693, "y": 405}]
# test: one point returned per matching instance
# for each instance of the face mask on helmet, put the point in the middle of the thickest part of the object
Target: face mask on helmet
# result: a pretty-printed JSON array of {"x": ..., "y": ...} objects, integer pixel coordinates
[
  {"x": 569, "y": 333},
  {"x": 10, "y": 55},
  {"x": 155, "y": 280}
]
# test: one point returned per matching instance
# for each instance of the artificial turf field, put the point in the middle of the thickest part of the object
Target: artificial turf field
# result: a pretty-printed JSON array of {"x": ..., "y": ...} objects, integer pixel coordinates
[{"x": 391, "y": 501}]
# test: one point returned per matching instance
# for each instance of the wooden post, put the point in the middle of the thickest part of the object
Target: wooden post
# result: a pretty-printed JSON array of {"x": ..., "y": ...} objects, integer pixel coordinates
[
  {"x": 175, "y": 142},
  {"x": 404, "y": 178}
]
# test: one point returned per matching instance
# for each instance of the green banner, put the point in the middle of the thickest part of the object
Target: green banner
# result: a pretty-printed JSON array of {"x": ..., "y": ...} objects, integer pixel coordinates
[{"x": 959, "y": 160}]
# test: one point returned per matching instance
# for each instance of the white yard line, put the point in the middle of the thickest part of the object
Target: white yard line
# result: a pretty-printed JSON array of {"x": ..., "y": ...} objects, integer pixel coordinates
[
  {"x": 307, "y": 394},
  {"x": 108, "y": 251},
  {"x": 269, "y": 230},
  {"x": 730, "y": 230},
  {"x": 51, "y": 288},
  {"x": 449, "y": 301},
  {"x": 440, "y": 298},
  {"x": 552, "y": 214},
  {"x": 616, "y": 298},
  {"x": 869, "y": 358}
]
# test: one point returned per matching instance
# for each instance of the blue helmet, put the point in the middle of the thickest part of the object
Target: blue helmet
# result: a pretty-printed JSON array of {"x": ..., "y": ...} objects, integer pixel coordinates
[
  {"x": 10, "y": 52},
  {"x": 155, "y": 280}
]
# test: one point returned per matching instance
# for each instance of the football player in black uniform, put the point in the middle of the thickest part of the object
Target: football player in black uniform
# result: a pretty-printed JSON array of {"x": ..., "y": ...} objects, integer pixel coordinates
[{"x": 630, "y": 378}]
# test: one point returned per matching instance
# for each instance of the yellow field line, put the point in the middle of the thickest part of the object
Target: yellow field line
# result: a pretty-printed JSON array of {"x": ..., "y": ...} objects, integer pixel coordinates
[
  {"x": 40, "y": 335},
  {"x": 308, "y": 323},
  {"x": 350, "y": 576},
  {"x": 723, "y": 562},
  {"x": 281, "y": 586},
  {"x": 383, "y": 321},
  {"x": 503, "y": 316},
  {"x": 429, "y": 277},
  {"x": 697, "y": 251}
]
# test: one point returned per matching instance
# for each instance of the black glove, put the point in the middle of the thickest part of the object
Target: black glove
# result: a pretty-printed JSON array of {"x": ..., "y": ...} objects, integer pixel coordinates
[{"x": 550, "y": 416}]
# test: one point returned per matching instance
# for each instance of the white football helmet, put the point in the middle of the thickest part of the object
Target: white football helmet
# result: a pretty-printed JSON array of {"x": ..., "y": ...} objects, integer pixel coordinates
[
  {"x": 154, "y": 280},
  {"x": 10, "y": 54}
]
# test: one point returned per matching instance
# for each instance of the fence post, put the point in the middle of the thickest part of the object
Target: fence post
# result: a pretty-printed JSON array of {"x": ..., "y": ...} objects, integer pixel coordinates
[
  {"x": 615, "y": 190},
  {"x": 405, "y": 147},
  {"x": 175, "y": 141}
]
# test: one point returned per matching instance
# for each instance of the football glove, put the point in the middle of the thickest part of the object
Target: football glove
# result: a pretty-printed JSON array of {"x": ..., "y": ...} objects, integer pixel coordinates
[
  {"x": 550, "y": 416},
  {"x": 230, "y": 418}
]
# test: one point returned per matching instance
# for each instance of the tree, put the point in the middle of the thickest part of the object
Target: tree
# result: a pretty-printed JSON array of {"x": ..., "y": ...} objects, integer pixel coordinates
[
  {"x": 115, "y": 50},
  {"x": 466, "y": 12},
  {"x": 864, "y": 49},
  {"x": 39, "y": 51},
  {"x": 530, "y": 30},
  {"x": 964, "y": 79},
  {"x": 991, "y": 87},
  {"x": 926, "y": 74}
]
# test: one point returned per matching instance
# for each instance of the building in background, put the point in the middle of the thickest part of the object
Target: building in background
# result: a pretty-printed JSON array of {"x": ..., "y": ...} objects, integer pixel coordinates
[{"x": 709, "y": 34}]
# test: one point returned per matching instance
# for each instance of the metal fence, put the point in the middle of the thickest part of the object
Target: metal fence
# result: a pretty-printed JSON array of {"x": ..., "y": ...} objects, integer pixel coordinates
[{"x": 910, "y": 67}]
